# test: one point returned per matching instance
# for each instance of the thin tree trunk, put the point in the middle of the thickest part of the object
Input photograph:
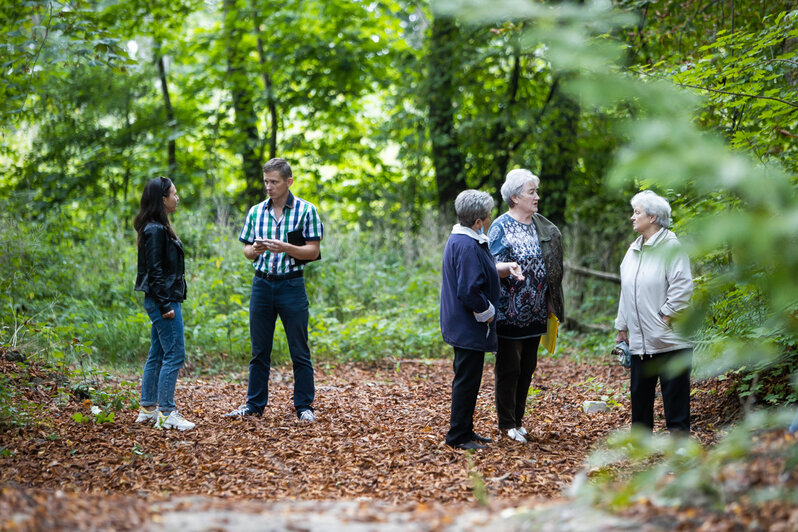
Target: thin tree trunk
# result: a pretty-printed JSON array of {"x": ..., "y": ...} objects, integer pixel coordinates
[
  {"x": 248, "y": 139},
  {"x": 167, "y": 103},
  {"x": 500, "y": 140},
  {"x": 447, "y": 158},
  {"x": 267, "y": 84}
]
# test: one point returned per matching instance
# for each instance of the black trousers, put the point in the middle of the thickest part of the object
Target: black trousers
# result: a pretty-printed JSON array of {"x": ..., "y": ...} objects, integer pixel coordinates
[
  {"x": 465, "y": 389},
  {"x": 516, "y": 361},
  {"x": 645, "y": 372}
]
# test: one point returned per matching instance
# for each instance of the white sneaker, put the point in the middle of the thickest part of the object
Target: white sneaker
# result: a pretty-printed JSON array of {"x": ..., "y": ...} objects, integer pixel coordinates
[
  {"x": 173, "y": 421},
  {"x": 513, "y": 434},
  {"x": 147, "y": 415},
  {"x": 521, "y": 430},
  {"x": 307, "y": 416}
]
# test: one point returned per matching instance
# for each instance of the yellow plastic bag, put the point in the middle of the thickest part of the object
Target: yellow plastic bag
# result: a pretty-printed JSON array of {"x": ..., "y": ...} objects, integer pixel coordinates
[{"x": 549, "y": 340}]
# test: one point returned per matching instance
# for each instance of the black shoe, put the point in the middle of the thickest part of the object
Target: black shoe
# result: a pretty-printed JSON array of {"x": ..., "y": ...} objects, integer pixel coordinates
[
  {"x": 480, "y": 439},
  {"x": 470, "y": 446}
]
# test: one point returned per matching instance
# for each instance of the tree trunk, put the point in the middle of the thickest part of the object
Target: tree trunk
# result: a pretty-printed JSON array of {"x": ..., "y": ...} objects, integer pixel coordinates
[
  {"x": 267, "y": 85},
  {"x": 171, "y": 155},
  {"x": 558, "y": 156},
  {"x": 247, "y": 140},
  {"x": 447, "y": 158},
  {"x": 499, "y": 141}
]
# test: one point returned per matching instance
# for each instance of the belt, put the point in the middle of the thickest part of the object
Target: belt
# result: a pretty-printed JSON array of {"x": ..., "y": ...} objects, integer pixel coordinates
[{"x": 278, "y": 276}]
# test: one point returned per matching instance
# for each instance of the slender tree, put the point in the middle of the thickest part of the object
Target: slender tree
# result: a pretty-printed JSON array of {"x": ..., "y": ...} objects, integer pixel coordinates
[{"x": 447, "y": 158}]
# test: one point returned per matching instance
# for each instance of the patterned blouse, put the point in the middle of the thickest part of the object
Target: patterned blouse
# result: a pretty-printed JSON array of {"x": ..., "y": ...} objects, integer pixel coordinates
[{"x": 522, "y": 311}]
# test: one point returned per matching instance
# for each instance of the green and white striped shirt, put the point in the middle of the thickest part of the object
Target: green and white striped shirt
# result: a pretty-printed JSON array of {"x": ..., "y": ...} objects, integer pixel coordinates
[{"x": 261, "y": 223}]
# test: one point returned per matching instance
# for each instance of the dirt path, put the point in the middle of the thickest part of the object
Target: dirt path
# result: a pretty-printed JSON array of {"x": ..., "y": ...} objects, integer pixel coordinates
[{"x": 378, "y": 443}]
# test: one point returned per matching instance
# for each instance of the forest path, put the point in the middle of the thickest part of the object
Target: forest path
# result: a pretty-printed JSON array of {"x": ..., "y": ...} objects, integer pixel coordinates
[{"x": 376, "y": 450}]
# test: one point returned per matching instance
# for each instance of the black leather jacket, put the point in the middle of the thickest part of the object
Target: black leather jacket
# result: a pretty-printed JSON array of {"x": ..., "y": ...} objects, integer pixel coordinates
[{"x": 161, "y": 269}]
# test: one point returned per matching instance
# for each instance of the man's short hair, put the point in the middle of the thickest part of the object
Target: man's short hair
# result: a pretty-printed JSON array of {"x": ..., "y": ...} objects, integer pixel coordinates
[{"x": 278, "y": 165}]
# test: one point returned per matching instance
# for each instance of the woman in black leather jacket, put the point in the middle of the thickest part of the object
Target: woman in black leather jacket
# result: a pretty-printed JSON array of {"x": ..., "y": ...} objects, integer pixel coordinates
[{"x": 161, "y": 276}]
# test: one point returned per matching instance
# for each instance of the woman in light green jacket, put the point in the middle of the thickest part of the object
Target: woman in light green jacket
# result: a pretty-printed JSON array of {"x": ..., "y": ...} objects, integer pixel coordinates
[{"x": 656, "y": 284}]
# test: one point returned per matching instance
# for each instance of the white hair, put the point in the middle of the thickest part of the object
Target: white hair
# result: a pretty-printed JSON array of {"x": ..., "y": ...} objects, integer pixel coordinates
[
  {"x": 515, "y": 182},
  {"x": 472, "y": 205},
  {"x": 653, "y": 205}
]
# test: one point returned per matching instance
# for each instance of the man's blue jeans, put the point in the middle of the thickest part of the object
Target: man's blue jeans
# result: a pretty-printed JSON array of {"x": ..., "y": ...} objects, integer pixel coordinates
[
  {"x": 287, "y": 299},
  {"x": 166, "y": 356}
]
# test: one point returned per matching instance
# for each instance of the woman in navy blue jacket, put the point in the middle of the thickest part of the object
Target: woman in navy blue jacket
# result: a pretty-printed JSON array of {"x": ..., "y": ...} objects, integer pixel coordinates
[{"x": 469, "y": 293}]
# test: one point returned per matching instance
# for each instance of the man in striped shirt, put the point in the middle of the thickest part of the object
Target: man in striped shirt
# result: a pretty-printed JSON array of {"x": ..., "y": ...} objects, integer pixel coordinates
[{"x": 280, "y": 235}]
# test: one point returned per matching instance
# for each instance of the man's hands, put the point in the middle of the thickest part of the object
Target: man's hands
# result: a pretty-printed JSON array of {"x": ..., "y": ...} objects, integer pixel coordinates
[
  {"x": 272, "y": 245},
  {"x": 309, "y": 251}
]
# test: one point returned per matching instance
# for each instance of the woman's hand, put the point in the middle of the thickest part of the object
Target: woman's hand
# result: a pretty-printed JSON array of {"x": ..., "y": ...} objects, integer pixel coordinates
[
  {"x": 169, "y": 315},
  {"x": 516, "y": 271},
  {"x": 623, "y": 336},
  {"x": 506, "y": 269}
]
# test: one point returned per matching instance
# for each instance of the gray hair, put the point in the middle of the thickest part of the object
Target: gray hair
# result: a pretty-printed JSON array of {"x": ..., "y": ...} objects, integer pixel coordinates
[
  {"x": 515, "y": 182},
  {"x": 653, "y": 205},
  {"x": 472, "y": 205}
]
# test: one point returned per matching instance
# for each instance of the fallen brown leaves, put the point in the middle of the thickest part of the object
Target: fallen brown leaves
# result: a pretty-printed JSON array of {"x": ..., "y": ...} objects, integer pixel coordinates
[{"x": 379, "y": 436}]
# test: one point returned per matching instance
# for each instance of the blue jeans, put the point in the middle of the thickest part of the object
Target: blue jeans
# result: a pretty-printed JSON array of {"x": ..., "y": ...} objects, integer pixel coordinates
[
  {"x": 166, "y": 356},
  {"x": 288, "y": 300}
]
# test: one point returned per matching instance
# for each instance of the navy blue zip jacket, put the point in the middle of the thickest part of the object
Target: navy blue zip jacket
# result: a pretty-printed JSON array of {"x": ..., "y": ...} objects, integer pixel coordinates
[{"x": 469, "y": 292}]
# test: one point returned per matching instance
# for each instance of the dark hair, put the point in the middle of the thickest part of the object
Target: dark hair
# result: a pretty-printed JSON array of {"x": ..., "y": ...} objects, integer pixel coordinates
[
  {"x": 152, "y": 209},
  {"x": 278, "y": 165}
]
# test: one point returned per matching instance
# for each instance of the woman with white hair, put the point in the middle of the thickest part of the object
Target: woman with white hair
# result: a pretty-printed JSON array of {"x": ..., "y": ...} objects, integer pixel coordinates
[
  {"x": 656, "y": 284},
  {"x": 469, "y": 294},
  {"x": 522, "y": 235}
]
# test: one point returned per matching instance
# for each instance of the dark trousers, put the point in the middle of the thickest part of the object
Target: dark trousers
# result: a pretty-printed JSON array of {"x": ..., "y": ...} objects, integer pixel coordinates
[
  {"x": 516, "y": 361},
  {"x": 675, "y": 389},
  {"x": 288, "y": 300},
  {"x": 465, "y": 389}
]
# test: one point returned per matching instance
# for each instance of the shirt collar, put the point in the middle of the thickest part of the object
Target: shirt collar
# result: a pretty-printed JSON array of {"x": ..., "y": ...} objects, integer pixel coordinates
[
  {"x": 289, "y": 202},
  {"x": 458, "y": 229}
]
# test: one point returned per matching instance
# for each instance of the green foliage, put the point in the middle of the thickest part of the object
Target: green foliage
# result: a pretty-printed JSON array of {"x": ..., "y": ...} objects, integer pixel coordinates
[
  {"x": 743, "y": 241},
  {"x": 81, "y": 308},
  {"x": 674, "y": 471},
  {"x": 15, "y": 410},
  {"x": 477, "y": 482},
  {"x": 41, "y": 35}
]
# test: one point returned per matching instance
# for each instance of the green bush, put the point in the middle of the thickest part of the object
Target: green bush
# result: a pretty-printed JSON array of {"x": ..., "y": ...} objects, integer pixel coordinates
[{"x": 373, "y": 295}]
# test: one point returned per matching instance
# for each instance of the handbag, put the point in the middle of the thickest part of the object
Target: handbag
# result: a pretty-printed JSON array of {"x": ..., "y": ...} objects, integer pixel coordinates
[{"x": 623, "y": 354}]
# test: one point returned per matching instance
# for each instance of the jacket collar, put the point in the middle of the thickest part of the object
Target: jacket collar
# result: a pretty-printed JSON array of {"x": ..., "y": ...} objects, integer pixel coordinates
[
  {"x": 655, "y": 239},
  {"x": 467, "y": 231},
  {"x": 542, "y": 227}
]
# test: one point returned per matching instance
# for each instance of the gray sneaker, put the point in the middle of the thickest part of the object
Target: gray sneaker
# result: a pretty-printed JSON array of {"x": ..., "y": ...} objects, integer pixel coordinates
[
  {"x": 173, "y": 421},
  {"x": 241, "y": 411},
  {"x": 307, "y": 416},
  {"x": 147, "y": 415}
]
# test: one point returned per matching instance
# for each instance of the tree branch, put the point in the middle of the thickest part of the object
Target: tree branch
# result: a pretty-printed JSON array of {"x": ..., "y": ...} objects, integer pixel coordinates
[{"x": 758, "y": 97}]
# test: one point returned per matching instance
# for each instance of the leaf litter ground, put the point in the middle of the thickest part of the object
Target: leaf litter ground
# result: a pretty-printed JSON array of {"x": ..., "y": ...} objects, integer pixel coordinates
[{"x": 378, "y": 442}]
